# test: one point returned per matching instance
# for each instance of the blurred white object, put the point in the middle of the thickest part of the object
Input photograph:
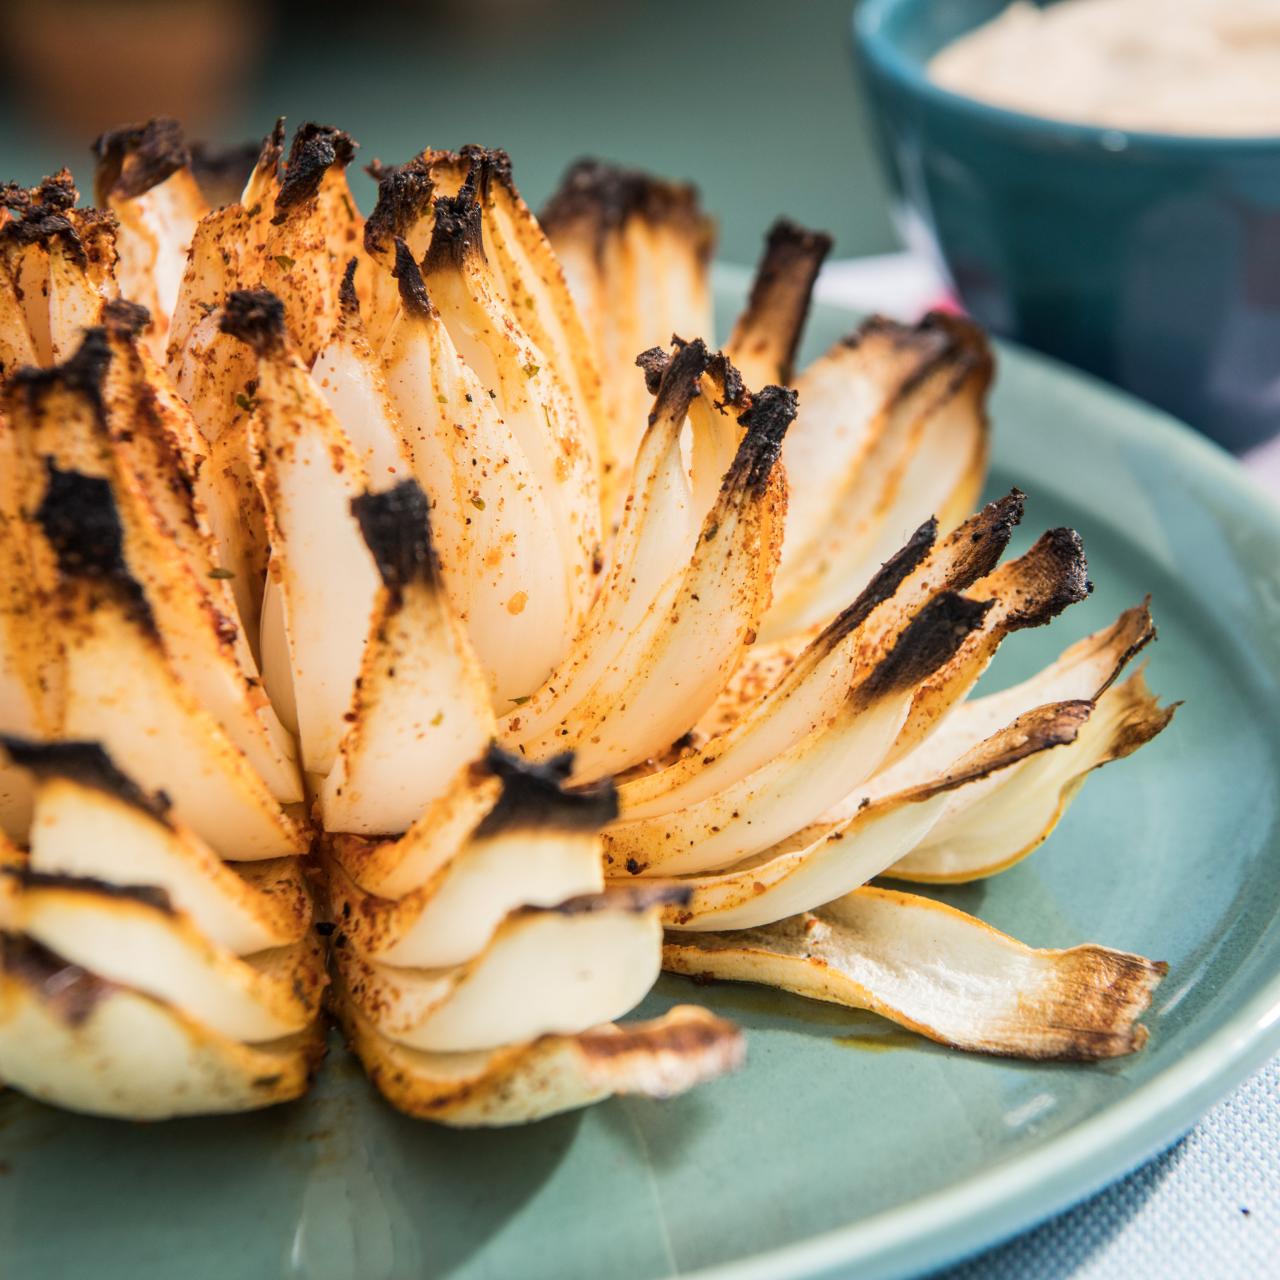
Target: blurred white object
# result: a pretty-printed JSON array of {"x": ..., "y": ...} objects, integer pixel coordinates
[
  {"x": 1169, "y": 66},
  {"x": 901, "y": 285},
  {"x": 1264, "y": 463}
]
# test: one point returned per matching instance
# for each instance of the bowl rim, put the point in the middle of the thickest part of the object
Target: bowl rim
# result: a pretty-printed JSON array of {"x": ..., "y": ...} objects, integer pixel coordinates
[{"x": 870, "y": 36}]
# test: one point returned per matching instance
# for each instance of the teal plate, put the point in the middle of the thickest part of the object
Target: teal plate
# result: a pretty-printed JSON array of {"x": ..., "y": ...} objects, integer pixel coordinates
[{"x": 843, "y": 1144}]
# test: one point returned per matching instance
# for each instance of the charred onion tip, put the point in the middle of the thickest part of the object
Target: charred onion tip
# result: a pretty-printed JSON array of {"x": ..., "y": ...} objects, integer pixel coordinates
[
  {"x": 41, "y": 224},
  {"x": 536, "y": 795},
  {"x": 125, "y": 319},
  {"x": 772, "y": 411},
  {"x": 931, "y": 638},
  {"x": 316, "y": 149},
  {"x": 725, "y": 372},
  {"x": 783, "y": 281},
  {"x": 654, "y": 362},
  {"x": 607, "y": 195},
  {"x": 348, "y": 300},
  {"x": 1054, "y": 725},
  {"x": 256, "y": 317},
  {"x": 404, "y": 199},
  {"x": 678, "y": 382},
  {"x": 888, "y": 578},
  {"x": 488, "y": 163},
  {"x": 136, "y": 157},
  {"x": 56, "y": 192},
  {"x": 1059, "y": 561},
  {"x": 790, "y": 239},
  {"x": 396, "y": 528},
  {"x": 86, "y": 763},
  {"x": 14, "y": 197},
  {"x": 272, "y": 148},
  {"x": 408, "y": 275},
  {"x": 61, "y": 194},
  {"x": 457, "y": 232},
  {"x": 1009, "y": 509}
]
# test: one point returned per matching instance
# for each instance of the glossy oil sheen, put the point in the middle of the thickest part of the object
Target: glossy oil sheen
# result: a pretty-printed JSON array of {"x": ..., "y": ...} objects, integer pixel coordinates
[
  {"x": 1151, "y": 260},
  {"x": 843, "y": 1144}
]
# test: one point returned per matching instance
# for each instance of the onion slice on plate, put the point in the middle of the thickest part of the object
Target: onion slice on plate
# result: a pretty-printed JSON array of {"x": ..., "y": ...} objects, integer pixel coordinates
[
  {"x": 935, "y": 970},
  {"x": 523, "y": 1082}
]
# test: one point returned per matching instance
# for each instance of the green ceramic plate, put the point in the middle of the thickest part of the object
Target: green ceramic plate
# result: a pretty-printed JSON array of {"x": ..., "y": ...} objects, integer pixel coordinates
[{"x": 884, "y": 1156}]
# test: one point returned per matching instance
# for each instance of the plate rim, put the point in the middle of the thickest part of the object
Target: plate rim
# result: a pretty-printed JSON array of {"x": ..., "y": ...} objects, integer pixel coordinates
[{"x": 947, "y": 1226}]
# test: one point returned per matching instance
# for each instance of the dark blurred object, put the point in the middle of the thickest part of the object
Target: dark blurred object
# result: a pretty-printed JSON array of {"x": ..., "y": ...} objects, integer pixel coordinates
[
  {"x": 1152, "y": 260},
  {"x": 86, "y": 65},
  {"x": 222, "y": 172}
]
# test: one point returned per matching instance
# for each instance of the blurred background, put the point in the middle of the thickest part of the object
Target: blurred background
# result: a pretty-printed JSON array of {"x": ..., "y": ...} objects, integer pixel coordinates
[
  {"x": 1061, "y": 239},
  {"x": 752, "y": 100}
]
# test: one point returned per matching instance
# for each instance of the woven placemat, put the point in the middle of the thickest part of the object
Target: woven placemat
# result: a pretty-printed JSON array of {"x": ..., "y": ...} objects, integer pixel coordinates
[{"x": 1208, "y": 1207}]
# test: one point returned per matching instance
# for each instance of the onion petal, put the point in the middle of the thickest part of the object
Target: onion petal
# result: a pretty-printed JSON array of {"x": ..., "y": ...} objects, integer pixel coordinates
[
  {"x": 76, "y": 1040},
  {"x": 941, "y": 973},
  {"x": 519, "y": 1083}
]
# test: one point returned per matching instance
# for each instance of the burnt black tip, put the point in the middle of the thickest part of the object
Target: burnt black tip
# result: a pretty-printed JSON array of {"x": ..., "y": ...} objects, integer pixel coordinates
[
  {"x": 772, "y": 411},
  {"x": 1008, "y": 510},
  {"x": 404, "y": 199},
  {"x": 726, "y": 373},
  {"x": 125, "y": 319},
  {"x": 413, "y": 290},
  {"x": 487, "y": 165},
  {"x": 43, "y": 224},
  {"x": 256, "y": 317},
  {"x": 15, "y": 198},
  {"x": 1057, "y": 577},
  {"x": 930, "y": 639},
  {"x": 605, "y": 196},
  {"x": 79, "y": 518},
  {"x": 976, "y": 545},
  {"x": 456, "y": 235},
  {"x": 316, "y": 149},
  {"x": 536, "y": 796},
  {"x": 40, "y": 214},
  {"x": 886, "y": 582},
  {"x": 271, "y": 149},
  {"x": 654, "y": 363},
  {"x": 348, "y": 300},
  {"x": 397, "y": 531},
  {"x": 55, "y": 193},
  {"x": 86, "y": 763},
  {"x": 137, "y": 157},
  {"x": 792, "y": 240},
  {"x": 678, "y": 383}
]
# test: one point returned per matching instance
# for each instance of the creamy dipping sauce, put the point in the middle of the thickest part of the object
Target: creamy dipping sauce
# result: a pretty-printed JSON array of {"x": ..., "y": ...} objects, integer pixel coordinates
[{"x": 1165, "y": 66}]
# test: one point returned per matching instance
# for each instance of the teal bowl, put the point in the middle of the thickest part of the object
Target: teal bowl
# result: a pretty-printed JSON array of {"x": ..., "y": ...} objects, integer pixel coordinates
[{"x": 1152, "y": 260}]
